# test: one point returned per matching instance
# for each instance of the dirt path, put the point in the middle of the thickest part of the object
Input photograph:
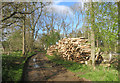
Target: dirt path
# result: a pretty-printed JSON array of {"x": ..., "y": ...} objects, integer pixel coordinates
[{"x": 39, "y": 68}]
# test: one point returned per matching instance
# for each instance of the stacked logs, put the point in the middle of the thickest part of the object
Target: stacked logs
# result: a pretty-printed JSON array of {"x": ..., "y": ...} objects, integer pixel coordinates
[
  {"x": 51, "y": 50},
  {"x": 75, "y": 49}
]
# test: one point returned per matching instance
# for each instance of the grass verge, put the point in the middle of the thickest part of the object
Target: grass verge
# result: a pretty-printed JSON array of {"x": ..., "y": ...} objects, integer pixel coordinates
[
  {"x": 12, "y": 66},
  {"x": 84, "y": 71}
]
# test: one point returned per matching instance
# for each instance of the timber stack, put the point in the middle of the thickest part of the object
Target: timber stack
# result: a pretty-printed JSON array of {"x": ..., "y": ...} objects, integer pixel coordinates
[
  {"x": 74, "y": 49},
  {"x": 51, "y": 50}
]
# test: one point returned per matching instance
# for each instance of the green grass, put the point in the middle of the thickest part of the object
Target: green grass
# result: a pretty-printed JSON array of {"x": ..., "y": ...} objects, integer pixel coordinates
[
  {"x": 83, "y": 71},
  {"x": 10, "y": 70},
  {"x": 12, "y": 66},
  {"x": 101, "y": 74}
]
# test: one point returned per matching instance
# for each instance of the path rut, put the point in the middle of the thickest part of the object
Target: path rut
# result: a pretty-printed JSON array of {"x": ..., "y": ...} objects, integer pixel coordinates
[{"x": 39, "y": 68}]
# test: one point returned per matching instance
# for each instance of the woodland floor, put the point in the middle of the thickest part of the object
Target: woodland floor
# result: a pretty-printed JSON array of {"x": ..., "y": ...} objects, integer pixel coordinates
[{"x": 44, "y": 70}]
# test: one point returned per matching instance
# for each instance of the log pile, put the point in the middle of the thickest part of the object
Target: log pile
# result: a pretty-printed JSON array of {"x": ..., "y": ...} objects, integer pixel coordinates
[
  {"x": 111, "y": 60},
  {"x": 78, "y": 50},
  {"x": 51, "y": 50},
  {"x": 75, "y": 49}
]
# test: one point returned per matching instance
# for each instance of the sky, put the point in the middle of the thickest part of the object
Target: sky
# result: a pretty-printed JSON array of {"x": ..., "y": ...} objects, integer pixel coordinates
[
  {"x": 63, "y": 8},
  {"x": 66, "y": 3}
]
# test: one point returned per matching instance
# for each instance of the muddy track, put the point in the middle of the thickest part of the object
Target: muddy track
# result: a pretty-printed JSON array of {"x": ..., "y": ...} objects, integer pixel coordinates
[{"x": 39, "y": 68}]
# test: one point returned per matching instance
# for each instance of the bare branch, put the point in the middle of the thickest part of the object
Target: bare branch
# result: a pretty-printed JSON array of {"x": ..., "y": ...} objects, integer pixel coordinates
[
  {"x": 8, "y": 24},
  {"x": 14, "y": 13}
]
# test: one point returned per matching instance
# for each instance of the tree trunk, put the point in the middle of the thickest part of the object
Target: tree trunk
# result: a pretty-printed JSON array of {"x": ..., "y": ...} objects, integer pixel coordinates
[
  {"x": 23, "y": 51},
  {"x": 32, "y": 33},
  {"x": 118, "y": 3},
  {"x": 93, "y": 47},
  {"x": 88, "y": 33},
  {"x": 118, "y": 19},
  {"x": 118, "y": 25},
  {"x": 92, "y": 35},
  {"x": 97, "y": 42},
  {"x": 1, "y": 30},
  {"x": 1, "y": 48},
  {"x": 32, "y": 40}
]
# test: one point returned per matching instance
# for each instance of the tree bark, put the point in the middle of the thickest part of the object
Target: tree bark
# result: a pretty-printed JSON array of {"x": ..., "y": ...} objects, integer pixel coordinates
[
  {"x": 118, "y": 4},
  {"x": 1, "y": 47},
  {"x": 92, "y": 35},
  {"x": 1, "y": 31},
  {"x": 23, "y": 51},
  {"x": 93, "y": 47},
  {"x": 97, "y": 42},
  {"x": 118, "y": 22},
  {"x": 32, "y": 39}
]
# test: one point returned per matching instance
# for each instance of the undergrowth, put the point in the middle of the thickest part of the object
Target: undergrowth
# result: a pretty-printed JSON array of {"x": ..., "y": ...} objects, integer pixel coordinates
[{"x": 12, "y": 66}]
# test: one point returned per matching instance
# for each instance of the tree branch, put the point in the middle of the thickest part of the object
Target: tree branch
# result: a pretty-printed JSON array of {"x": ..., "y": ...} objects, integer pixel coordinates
[
  {"x": 38, "y": 16},
  {"x": 14, "y": 13},
  {"x": 8, "y": 24}
]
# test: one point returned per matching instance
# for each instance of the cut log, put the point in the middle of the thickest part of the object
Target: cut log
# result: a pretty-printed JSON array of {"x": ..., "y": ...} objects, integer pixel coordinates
[{"x": 76, "y": 49}]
